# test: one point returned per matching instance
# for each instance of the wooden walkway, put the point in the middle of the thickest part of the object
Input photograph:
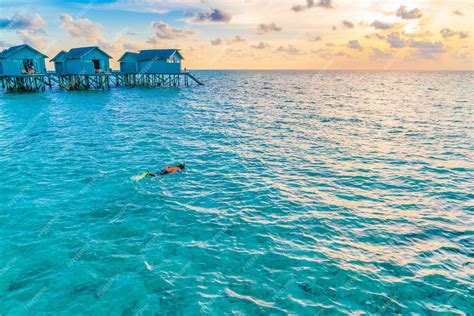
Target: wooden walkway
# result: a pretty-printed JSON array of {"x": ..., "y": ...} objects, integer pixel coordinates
[{"x": 39, "y": 82}]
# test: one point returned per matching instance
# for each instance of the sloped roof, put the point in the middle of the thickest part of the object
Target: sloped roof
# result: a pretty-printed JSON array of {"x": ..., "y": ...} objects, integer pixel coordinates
[
  {"x": 10, "y": 51},
  {"x": 127, "y": 53},
  {"x": 157, "y": 54},
  {"x": 79, "y": 52},
  {"x": 60, "y": 56}
]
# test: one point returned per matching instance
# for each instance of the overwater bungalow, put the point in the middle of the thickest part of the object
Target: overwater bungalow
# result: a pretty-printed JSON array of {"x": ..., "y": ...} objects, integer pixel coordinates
[
  {"x": 82, "y": 61},
  {"x": 88, "y": 68},
  {"x": 128, "y": 63},
  {"x": 59, "y": 63},
  {"x": 152, "y": 61},
  {"x": 22, "y": 60},
  {"x": 156, "y": 61}
]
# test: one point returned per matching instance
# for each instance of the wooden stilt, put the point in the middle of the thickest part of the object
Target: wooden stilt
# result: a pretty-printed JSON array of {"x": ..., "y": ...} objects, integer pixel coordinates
[{"x": 38, "y": 82}]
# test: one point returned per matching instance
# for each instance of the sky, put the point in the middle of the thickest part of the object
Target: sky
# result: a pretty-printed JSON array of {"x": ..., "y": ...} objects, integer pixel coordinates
[{"x": 255, "y": 34}]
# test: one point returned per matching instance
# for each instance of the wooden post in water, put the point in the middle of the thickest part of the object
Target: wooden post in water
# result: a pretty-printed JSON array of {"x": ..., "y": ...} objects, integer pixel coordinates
[{"x": 36, "y": 82}]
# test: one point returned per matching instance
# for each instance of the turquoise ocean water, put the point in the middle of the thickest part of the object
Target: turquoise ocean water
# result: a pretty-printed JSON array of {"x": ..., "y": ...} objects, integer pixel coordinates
[{"x": 305, "y": 192}]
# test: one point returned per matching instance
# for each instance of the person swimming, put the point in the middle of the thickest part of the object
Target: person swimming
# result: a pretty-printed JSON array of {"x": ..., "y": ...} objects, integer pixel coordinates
[{"x": 167, "y": 170}]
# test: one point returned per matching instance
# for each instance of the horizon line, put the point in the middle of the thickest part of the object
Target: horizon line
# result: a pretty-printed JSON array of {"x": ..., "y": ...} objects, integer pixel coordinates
[{"x": 342, "y": 69}]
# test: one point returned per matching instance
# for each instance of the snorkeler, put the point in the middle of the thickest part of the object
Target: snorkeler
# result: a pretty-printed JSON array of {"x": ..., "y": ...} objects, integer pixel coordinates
[{"x": 167, "y": 170}]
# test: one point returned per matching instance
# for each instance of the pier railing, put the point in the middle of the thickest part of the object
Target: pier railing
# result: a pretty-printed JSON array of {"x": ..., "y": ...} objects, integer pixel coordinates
[{"x": 39, "y": 82}]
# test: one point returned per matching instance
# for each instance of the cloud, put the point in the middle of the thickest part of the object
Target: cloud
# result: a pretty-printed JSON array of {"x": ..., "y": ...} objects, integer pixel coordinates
[
  {"x": 261, "y": 45},
  {"x": 33, "y": 38},
  {"x": 381, "y": 25},
  {"x": 312, "y": 4},
  {"x": 347, "y": 24},
  {"x": 238, "y": 52},
  {"x": 267, "y": 28},
  {"x": 30, "y": 29},
  {"x": 236, "y": 40},
  {"x": 406, "y": 14},
  {"x": 448, "y": 33},
  {"x": 153, "y": 41},
  {"x": 290, "y": 50},
  {"x": 313, "y": 38},
  {"x": 379, "y": 54},
  {"x": 354, "y": 45},
  {"x": 215, "y": 15},
  {"x": 323, "y": 53},
  {"x": 376, "y": 36},
  {"x": 163, "y": 30},
  {"x": 216, "y": 42},
  {"x": 132, "y": 46},
  {"x": 395, "y": 40},
  {"x": 23, "y": 22},
  {"x": 115, "y": 45},
  {"x": 428, "y": 50},
  {"x": 5, "y": 43},
  {"x": 140, "y": 6},
  {"x": 110, "y": 45},
  {"x": 80, "y": 28},
  {"x": 457, "y": 12}
]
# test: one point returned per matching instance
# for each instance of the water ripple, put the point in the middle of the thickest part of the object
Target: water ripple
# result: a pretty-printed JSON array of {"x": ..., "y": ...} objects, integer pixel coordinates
[{"x": 305, "y": 193}]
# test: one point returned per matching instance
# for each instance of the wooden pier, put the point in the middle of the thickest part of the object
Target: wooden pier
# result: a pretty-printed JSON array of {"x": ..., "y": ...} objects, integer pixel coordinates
[
  {"x": 155, "y": 80},
  {"x": 39, "y": 82},
  {"x": 82, "y": 82},
  {"x": 25, "y": 83}
]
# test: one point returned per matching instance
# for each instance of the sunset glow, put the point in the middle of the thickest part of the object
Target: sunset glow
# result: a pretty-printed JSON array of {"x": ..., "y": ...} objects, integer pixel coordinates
[{"x": 257, "y": 34}]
